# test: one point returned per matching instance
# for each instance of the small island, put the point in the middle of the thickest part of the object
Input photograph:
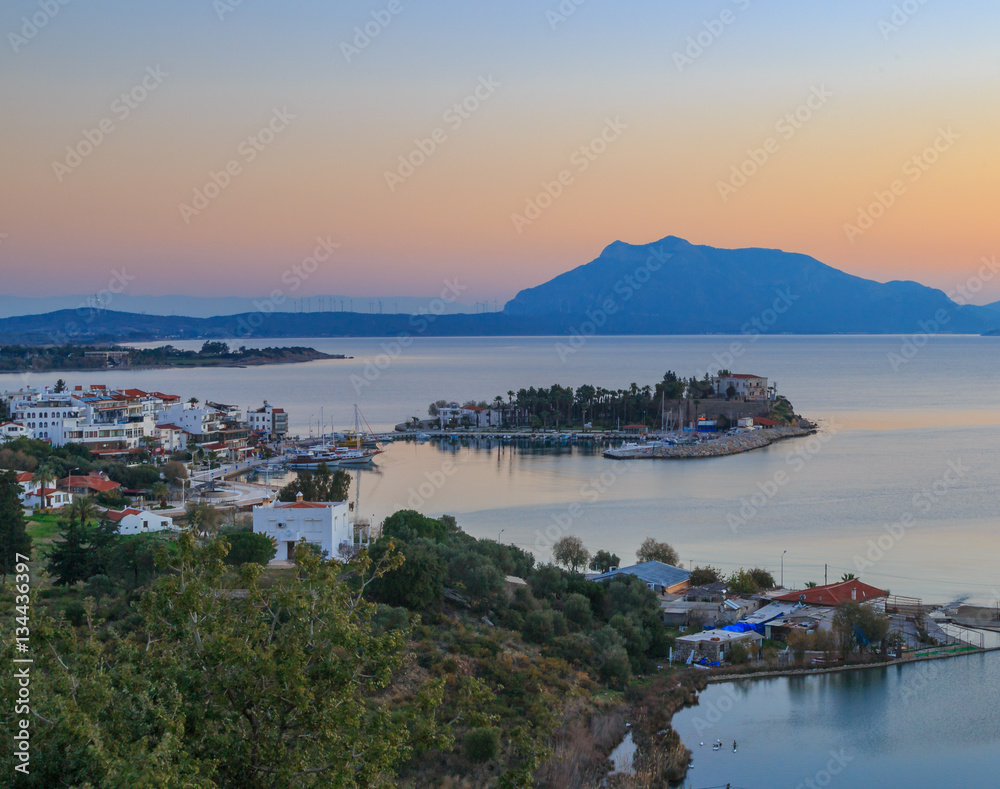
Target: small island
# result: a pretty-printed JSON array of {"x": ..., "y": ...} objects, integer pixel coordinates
[
  {"x": 712, "y": 416},
  {"x": 214, "y": 353}
]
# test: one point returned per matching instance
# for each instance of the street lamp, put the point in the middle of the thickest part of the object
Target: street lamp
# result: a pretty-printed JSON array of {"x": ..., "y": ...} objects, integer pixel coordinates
[
  {"x": 783, "y": 569},
  {"x": 499, "y": 533}
]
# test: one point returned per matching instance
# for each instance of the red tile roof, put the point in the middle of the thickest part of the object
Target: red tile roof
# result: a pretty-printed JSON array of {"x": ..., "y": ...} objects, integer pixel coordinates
[
  {"x": 116, "y": 515},
  {"x": 93, "y": 483},
  {"x": 832, "y": 594},
  {"x": 765, "y": 422},
  {"x": 302, "y": 505},
  {"x": 742, "y": 376}
]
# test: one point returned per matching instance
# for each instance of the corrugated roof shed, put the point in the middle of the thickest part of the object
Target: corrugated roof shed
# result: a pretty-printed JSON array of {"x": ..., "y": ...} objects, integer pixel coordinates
[{"x": 656, "y": 573}]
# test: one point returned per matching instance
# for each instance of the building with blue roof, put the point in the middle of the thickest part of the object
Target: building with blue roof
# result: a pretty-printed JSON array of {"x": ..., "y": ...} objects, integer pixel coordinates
[{"x": 661, "y": 578}]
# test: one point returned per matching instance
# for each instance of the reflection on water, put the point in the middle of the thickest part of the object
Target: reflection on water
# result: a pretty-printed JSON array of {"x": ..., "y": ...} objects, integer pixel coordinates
[
  {"x": 833, "y": 504},
  {"x": 918, "y": 725}
]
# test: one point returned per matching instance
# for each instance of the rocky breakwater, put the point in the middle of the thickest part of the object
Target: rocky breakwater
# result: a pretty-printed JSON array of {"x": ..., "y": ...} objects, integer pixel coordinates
[{"x": 730, "y": 444}]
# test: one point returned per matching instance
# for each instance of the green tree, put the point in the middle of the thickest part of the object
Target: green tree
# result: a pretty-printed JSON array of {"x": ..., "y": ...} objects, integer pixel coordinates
[
  {"x": 701, "y": 576},
  {"x": 70, "y": 559},
  {"x": 570, "y": 552},
  {"x": 324, "y": 485},
  {"x": 249, "y": 547},
  {"x": 45, "y": 475},
  {"x": 653, "y": 551},
  {"x": 161, "y": 491},
  {"x": 417, "y": 583},
  {"x": 174, "y": 472},
  {"x": 603, "y": 561},
  {"x": 409, "y": 525},
  {"x": 283, "y": 686},
  {"x": 14, "y": 538}
]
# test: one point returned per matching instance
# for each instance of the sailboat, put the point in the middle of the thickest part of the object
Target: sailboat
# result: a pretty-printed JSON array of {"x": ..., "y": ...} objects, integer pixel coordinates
[{"x": 334, "y": 455}]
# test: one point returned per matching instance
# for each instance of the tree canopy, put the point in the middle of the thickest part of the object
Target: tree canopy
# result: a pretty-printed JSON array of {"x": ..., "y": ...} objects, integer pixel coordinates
[{"x": 653, "y": 551}]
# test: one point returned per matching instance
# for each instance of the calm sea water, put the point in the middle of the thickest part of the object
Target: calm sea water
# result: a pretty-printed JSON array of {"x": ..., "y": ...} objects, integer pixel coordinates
[
  {"x": 901, "y": 487},
  {"x": 920, "y": 726}
]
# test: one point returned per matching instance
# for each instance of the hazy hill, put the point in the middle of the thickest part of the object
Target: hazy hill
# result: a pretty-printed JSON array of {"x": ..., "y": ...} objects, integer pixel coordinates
[{"x": 671, "y": 286}]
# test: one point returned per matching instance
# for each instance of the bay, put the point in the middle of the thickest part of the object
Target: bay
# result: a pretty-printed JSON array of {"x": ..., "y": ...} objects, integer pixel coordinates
[
  {"x": 899, "y": 487},
  {"x": 923, "y": 726}
]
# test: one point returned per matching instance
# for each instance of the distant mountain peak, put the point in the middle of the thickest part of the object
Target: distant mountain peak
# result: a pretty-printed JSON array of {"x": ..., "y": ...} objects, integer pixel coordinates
[{"x": 707, "y": 289}]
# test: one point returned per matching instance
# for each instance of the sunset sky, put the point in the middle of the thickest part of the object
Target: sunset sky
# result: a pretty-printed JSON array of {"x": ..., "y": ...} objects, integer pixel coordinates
[{"x": 681, "y": 91}]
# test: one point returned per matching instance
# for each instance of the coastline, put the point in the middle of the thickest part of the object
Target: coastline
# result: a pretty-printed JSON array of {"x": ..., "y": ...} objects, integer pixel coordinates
[
  {"x": 145, "y": 367},
  {"x": 719, "y": 447}
]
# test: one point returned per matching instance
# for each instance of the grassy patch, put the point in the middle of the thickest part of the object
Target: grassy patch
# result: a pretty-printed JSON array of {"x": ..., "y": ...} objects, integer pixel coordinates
[{"x": 44, "y": 527}]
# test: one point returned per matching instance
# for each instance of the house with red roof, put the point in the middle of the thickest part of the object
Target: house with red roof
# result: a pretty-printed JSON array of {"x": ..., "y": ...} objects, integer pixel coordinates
[
  {"x": 134, "y": 521},
  {"x": 322, "y": 523},
  {"x": 95, "y": 482},
  {"x": 853, "y": 591},
  {"x": 12, "y": 430}
]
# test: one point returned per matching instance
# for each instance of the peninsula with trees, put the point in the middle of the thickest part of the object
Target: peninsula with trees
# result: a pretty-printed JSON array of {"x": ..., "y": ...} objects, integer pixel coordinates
[{"x": 213, "y": 353}]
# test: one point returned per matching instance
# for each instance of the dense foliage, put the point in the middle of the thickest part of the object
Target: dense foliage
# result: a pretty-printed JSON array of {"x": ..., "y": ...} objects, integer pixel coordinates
[
  {"x": 15, "y": 358},
  {"x": 14, "y": 537},
  {"x": 324, "y": 485}
]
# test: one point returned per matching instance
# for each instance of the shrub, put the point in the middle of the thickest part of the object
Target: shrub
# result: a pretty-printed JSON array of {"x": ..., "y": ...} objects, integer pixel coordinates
[
  {"x": 538, "y": 627},
  {"x": 614, "y": 667},
  {"x": 246, "y": 547},
  {"x": 738, "y": 654},
  {"x": 482, "y": 744},
  {"x": 578, "y": 611}
]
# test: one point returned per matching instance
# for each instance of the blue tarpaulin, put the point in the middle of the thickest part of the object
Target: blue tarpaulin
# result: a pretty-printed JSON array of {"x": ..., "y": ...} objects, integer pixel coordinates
[{"x": 744, "y": 627}]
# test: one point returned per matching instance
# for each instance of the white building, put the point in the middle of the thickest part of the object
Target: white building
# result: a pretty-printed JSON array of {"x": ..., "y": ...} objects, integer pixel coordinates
[
  {"x": 50, "y": 498},
  {"x": 748, "y": 387},
  {"x": 270, "y": 421},
  {"x": 12, "y": 430},
  {"x": 323, "y": 523},
  {"x": 133, "y": 521}
]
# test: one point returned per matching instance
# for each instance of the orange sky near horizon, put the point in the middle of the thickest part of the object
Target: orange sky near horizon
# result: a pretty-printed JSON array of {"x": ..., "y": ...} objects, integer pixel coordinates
[{"x": 877, "y": 103}]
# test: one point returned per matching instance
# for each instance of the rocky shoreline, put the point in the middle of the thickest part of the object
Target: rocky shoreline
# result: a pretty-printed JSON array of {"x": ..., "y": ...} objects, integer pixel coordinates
[{"x": 733, "y": 444}]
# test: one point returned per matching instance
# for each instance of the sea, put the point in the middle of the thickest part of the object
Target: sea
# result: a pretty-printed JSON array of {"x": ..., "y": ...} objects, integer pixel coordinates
[{"x": 900, "y": 486}]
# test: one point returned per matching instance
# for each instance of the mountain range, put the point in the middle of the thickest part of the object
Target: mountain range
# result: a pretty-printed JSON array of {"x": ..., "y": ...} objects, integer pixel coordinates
[{"x": 667, "y": 287}]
